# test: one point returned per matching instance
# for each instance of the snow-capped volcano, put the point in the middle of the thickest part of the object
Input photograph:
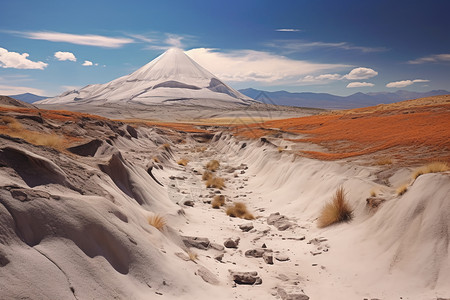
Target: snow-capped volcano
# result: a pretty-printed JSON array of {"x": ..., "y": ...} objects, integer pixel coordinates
[{"x": 172, "y": 77}]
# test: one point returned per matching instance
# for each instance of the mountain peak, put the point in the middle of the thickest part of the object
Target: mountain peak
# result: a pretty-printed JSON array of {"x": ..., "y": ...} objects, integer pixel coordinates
[{"x": 173, "y": 76}]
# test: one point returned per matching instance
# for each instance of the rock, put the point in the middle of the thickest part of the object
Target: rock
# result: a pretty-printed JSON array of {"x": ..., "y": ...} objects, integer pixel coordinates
[
  {"x": 268, "y": 257},
  {"x": 246, "y": 227},
  {"x": 219, "y": 257},
  {"x": 314, "y": 253},
  {"x": 217, "y": 246},
  {"x": 258, "y": 252},
  {"x": 281, "y": 257},
  {"x": 189, "y": 203},
  {"x": 231, "y": 243},
  {"x": 245, "y": 277},
  {"x": 291, "y": 293},
  {"x": 279, "y": 221},
  {"x": 196, "y": 242},
  {"x": 207, "y": 276},
  {"x": 283, "y": 277}
]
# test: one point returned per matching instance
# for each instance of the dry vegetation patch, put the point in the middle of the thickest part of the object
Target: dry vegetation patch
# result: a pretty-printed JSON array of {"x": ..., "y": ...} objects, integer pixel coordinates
[
  {"x": 239, "y": 210},
  {"x": 434, "y": 167},
  {"x": 15, "y": 129},
  {"x": 207, "y": 175},
  {"x": 338, "y": 210},
  {"x": 218, "y": 201},
  {"x": 182, "y": 162},
  {"x": 157, "y": 221},
  {"x": 215, "y": 182},
  {"x": 402, "y": 189},
  {"x": 213, "y": 165}
]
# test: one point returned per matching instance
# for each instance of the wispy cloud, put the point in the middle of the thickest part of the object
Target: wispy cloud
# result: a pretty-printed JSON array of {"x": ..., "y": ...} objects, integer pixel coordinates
[
  {"x": 256, "y": 66},
  {"x": 62, "y": 56},
  {"x": 357, "y": 84},
  {"x": 169, "y": 40},
  {"x": 79, "y": 39},
  {"x": 287, "y": 30},
  {"x": 18, "y": 61},
  {"x": 292, "y": 46},
  {"x": 403, "y": 83},
  {"x": 15, "y": 90},
  {"x": 431, "y": 59}
]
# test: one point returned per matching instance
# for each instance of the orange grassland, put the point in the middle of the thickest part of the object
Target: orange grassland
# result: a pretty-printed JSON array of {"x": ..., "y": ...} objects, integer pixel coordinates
[{"x": 416, "y": 130}]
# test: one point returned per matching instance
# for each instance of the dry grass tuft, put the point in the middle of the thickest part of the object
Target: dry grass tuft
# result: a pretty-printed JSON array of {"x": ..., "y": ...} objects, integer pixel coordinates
[
  {"x": 156, "y": 160},
  {"x": 192, "y": 255},
  {"x": 280, "y": 149},
  {"x": 338, "y": 210},
  {"x": 239, "y": 210},
  {"x": 402, "y": 189},
  {"x": 215, "y": 182},
  {"x": 218, "y": 201},
  {"x": 213, "y": 165},
  {"x": 433, "y": 167},
  {"x": 383, "y": 161},
  {"x": 207, "y": 175},
  {"x": 182, "y": 162},
  {"x": 373, "y": 193},
  {"x": 200, "y": 149},
  {"x": 157, "y": 221}
]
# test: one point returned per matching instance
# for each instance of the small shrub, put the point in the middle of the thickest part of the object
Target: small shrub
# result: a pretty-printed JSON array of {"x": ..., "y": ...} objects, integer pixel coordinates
[
  {"x": 280, "y": 149},
  {"x": 213, "y": 165},
  {"x": 402, "y": 189},
  {"x": 373, "y": 193},
  {"x": 433, "y": 167},
  {"x": 207, "y": 175},
  {"x": 183, "y": 162},
  {"x": 338, "y": 210},
  {"x": 215, "y": 182},
  {"x": 156, "y": 160},
  {"x": 157, "y": 221},
  {"x": 239, "y": 210},
  {"x": 218, "y": 201}
]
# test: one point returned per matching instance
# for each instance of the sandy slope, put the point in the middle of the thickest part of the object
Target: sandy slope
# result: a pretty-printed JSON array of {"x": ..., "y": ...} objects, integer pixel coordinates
[{"x": 80, "y": 218}]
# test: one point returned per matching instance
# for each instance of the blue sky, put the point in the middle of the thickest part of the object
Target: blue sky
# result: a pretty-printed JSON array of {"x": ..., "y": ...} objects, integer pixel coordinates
[{"x": 339, "y": 47}]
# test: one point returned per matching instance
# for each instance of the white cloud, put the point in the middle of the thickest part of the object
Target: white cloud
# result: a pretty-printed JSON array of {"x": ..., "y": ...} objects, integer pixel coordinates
[
  {"x": 359, "y": 84},
  {"x": 79, "y": 39},
  {"x": 249, "y": 65},
  {"x": 321, "y": 78},
  {"x": 292, "y": 46},
  {"x": 60, "y": 55},
  {"x": 287, "y": 30},
  {"x": 15, "y": 90},
  {"x": 87, "y": 63},
  {"x": 403, "y": 83},
  {"x": 361, "y": 73},
  {"x": 18, "y": 61},
  {"x": 431, "y": 59}
]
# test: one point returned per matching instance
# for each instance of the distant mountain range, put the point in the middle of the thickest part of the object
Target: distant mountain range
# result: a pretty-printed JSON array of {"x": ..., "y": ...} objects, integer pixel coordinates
[
  {"x": 305, "y": 99},
  {"x": 329, "y": 101},
  {"x": 28, "y": 97}
]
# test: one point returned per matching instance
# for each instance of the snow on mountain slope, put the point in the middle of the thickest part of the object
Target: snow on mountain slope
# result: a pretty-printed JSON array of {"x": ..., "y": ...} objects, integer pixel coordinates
[{"x": 171, "y": 77}]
